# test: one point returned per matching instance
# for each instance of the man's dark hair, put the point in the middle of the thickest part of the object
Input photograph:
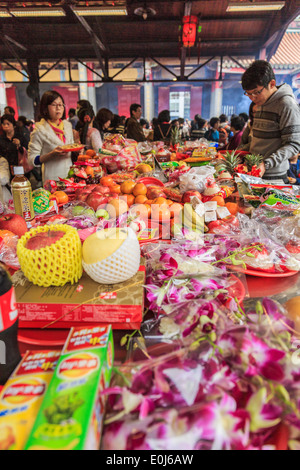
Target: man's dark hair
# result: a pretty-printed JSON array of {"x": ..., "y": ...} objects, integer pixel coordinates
[
  {"x": 223, "y": 118},
  {"x": 260, "y": 73},
  {"x": 214, "y": 121},
  {"x": 72, "y": 111},
  {"x": 244, "y": 116},
  {"x": 238, "y": 123},
  {"x": 134, "y": 107}
]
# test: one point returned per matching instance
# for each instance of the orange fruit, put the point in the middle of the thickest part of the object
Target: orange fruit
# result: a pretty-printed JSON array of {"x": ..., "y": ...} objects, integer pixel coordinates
[
  {"x": 161, "y": 213},
  {"x": 169, "y": 202},
  {"x": 60, "y": 196},
  {"x": 128, "y": 198},
  {"x": 116, "y": 207},
  {"x": 232, "y": 207},
  {"x": 141, "y": 210},
  {"x": 175, "y": 209},
  {"x": 91, "y": 153},
  {"x": 6, "y": 237},
  {"x": 107, "y": 181},
  {"x": 89, "y": 170},
  {"x": 127, "y": 187},
  {"x": 115, "y": 188},
  {"x": 140, "y": 189},
  {"x": 149, "y": 201},
  {"x": 219, "y": 200},
  {"x": 159, "y": 201},
  {"x": 141, "y": 199}
]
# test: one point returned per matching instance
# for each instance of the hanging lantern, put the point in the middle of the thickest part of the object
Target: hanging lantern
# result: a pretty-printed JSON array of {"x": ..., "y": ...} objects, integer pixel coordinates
[{"x": 189, "y": 30}]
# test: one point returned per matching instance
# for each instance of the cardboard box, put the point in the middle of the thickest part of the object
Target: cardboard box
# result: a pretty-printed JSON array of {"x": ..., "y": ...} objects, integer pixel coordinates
[
  {"x": 81, "y": 304},
  {"x": 71, "y": 416},
  {"x": 22, "y": 396}
]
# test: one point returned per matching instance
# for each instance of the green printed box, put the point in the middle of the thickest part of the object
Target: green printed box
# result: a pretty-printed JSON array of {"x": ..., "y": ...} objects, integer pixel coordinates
[{"x": 71, "y": 415}]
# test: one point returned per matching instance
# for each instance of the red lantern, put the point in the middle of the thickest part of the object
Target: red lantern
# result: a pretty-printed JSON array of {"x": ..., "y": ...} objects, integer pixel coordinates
[{"x": 189, "y": 30}]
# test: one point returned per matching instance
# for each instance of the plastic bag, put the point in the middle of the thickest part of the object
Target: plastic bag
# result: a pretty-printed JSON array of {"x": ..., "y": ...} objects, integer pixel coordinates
[
  {"x": 8, "y": 250},
  {"x": 196, "y": 179}
]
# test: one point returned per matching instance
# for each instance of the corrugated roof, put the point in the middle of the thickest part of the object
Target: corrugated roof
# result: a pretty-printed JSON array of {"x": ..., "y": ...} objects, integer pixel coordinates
[{"x": 288, "y": 52}]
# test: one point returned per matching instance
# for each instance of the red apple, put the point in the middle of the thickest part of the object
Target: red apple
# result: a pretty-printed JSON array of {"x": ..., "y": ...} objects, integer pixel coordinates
[
  {"x": 94, "y": 200},
  {"x": 113, "y": 196},
  {"x": 101, "y": 189},
  {"x": 85, "y": 190},
  {"x": 43, "y": 239},
  {"x": 188, "y": 195},
  {"x": 14, "y": 223},
  {"x": 154, "y": 192}
]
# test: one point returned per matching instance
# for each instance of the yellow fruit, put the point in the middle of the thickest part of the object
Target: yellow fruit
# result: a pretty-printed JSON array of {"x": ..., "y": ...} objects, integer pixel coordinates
[
  {"x": 102, "y": 244},
  {"x": 143, "y": 168},
  {"x": 112, "y": 255},
  {"x": 293, "y": 308}
]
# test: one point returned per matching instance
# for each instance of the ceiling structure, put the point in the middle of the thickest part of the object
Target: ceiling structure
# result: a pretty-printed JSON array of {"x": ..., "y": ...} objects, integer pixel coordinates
[{"x": 111, "y": 37}]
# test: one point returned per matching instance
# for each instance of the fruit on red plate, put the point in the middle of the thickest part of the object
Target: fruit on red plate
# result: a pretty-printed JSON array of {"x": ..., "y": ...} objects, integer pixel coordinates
[
  {"x": 14, "y": 223},
  {"x": 43, "y": 239}
]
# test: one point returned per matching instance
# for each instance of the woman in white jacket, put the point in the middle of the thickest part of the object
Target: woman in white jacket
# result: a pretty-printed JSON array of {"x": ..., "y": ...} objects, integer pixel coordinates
[
  {"x": 5, "y": 194},
  {"x": 49, "y": 135}
]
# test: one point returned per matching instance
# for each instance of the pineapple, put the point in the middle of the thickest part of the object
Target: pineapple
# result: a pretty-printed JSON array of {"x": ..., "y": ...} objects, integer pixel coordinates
[
  {"x": 175, "y": 136},
  {"x": 252, "y": 160},
  {"x": 229, "y": 163}
]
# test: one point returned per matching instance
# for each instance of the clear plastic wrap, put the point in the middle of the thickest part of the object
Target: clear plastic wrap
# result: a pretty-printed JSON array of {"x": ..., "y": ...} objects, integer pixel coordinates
[
  {"x": 233, "y": 383},
  {"x": 8, "y": 249},
  {"x": 196, "y": 179},
  {"x": 257, "y": 249}
]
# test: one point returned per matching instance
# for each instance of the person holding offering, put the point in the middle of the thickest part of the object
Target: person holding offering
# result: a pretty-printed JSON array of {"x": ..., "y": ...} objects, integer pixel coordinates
[
  {"x": 276, "y": 123},
  {"x": 51, "y": 133}
]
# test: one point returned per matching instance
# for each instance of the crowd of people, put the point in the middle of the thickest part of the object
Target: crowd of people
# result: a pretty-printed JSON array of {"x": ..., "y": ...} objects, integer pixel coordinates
[{"x": 271, "y": 129}]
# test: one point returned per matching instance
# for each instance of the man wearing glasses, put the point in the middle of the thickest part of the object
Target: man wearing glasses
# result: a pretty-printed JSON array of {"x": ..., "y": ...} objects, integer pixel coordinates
[{"x": 276, "y": 124}]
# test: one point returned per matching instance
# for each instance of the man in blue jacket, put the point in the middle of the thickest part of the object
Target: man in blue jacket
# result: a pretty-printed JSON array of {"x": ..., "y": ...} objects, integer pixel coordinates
[{"x": 276, "y": 124}]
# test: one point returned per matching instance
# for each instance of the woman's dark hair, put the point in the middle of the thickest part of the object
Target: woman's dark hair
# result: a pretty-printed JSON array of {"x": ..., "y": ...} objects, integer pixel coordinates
[
  {"x": 200, "y": 121},
  {"x": 8, "y": 117},
  {"x": 238, "y": 123},
  {"x": 260, "y": 73},
  {"x": 24, "y": 120},
  {"x": 47, "y": 99},
  {"x": 85, "y": 116},
  {"x": 214, "y": 121},
  {"x": 103, "y": 116},
  {"x": 164, "y": 116},
  {"x": 84, "y": 104},
  {"x": 154, "y": 122},
  {"x": 116, "y": 121},
  {"x": 143, "y": 122}
]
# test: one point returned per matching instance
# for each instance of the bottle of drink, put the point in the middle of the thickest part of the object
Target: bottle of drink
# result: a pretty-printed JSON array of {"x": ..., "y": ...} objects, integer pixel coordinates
[
  {"x": 9, "y": 350},
  {"x": 22, "y": 196}
]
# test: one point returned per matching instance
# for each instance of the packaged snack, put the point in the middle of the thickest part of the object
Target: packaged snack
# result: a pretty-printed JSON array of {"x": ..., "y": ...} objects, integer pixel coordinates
[
  {"x": 22, "y": 397},
  {"x": 276, "y": 199},
  {"x": 71, "y": 415}
]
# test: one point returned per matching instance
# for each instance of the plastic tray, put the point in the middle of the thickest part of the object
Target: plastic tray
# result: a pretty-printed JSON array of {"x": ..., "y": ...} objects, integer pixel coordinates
[{"x": 148, "y": 180}]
